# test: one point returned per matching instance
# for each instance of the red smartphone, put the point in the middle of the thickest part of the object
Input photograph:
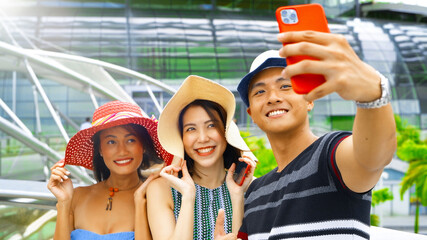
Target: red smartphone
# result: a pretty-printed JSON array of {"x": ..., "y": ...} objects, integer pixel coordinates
[
  {"x": 299, "y": 18},
  {"x": 240, "y": 173}
]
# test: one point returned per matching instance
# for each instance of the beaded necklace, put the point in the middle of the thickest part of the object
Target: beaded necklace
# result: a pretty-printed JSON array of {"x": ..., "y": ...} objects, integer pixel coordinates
[{"x": 114, "y": 190}]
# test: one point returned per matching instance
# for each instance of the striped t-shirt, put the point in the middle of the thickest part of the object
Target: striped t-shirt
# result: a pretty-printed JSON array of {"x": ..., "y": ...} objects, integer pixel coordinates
[
  {"x": 306, "y": 200},
  {"x": 206, "y": 207}
]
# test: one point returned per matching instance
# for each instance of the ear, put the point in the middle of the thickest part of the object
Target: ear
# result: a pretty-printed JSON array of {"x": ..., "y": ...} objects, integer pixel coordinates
[
  {"x": 310, "y": 106},
  {"x": 248, "y": 110}
]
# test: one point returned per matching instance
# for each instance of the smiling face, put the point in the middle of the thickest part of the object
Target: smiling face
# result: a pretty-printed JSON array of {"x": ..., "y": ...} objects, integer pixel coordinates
[
  {"x": 203, "y": 137},
  {"x": 273, "y": 105},
  {"x": 121, "y": 150}
]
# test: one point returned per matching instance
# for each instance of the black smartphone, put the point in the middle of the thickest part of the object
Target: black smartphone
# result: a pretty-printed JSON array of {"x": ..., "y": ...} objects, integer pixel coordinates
[{"x": 242, "y": 169}]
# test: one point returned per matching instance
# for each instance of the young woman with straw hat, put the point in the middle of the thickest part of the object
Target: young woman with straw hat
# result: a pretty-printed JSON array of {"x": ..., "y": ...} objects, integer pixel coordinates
[
  {"x": 197, "y": 126},
  {"x": 120, "y": 143}
]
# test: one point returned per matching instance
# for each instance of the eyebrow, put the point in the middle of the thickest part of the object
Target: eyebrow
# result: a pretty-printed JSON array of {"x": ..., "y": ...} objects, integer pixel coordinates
[
  {"x": 258, "y": 84},
  {"x": 281, "y": 79},
  {"x": 193, "y": 124},
  {"x": 127, "y": 135},
  {"x": 262, "y": 84}
]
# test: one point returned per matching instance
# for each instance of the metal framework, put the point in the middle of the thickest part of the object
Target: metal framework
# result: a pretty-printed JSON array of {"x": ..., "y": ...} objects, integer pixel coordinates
[{"x": 83, "y": 74}]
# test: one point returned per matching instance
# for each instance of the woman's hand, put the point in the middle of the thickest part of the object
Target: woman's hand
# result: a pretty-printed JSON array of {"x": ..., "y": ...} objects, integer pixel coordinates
[
  {"x": 219, "y": 233},
  {"x": 184, "y": 185},
  {"x": 237, "y": 192},
  {"x": 59, "y": 183},
  {"x": 233, "y": 187},
  {"x": 140, "y": 194}
]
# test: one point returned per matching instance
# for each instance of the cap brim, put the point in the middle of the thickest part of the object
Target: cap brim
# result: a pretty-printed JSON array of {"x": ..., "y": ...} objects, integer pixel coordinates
[
  {"x": 243, "y": 86},
  {"x": 195, "y": 87}
]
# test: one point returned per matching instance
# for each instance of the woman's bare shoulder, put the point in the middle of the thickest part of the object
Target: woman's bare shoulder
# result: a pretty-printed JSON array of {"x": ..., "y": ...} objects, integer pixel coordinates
[
  {"x": 159, "y": 184},
  {"x": 83, "y": 194},
  {"x": 86, "y": 191}
]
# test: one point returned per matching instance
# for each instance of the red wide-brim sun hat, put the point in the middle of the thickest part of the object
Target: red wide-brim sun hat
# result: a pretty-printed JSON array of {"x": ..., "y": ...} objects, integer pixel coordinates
[{"x": 79, "y": 149}]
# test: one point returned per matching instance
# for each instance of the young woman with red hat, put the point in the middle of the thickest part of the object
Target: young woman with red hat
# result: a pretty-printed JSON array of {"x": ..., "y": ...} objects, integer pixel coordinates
[{"x": 120, "y": 143}]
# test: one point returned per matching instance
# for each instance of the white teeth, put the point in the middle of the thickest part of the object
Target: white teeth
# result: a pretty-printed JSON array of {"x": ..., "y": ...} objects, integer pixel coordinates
[
  {"x": 123, "y": 161},
  {"x": 204, "y": 150},
  {"x": 276, "y": 112}
]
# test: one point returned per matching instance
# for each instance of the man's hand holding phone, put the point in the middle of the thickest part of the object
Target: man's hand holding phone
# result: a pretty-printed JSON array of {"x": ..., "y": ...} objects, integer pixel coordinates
[
  {"x": 342, "y": 69},
  {"x": 301, "y": 18}
]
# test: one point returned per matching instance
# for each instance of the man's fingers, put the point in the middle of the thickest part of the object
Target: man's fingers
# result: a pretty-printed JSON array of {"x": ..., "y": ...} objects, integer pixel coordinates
[
  {"x": 306, "y": 36},
  {"x": 305, "y": 49},
  {"x": 320, "y": 91},
  {"x": 305, "y": 67}
]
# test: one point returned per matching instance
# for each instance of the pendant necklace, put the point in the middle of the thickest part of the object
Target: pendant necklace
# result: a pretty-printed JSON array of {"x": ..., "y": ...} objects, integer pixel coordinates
[{"x": 114, "y": 190}]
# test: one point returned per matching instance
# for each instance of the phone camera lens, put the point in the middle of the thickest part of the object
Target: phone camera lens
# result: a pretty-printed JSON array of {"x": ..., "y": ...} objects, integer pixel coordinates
[
  {"x": 293, "y": 16},
  {"x": 286, "y": 20}
]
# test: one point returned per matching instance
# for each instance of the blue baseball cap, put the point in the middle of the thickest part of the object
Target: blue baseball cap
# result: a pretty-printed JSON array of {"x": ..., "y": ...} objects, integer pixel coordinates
[{"x": 267, "y": 59}]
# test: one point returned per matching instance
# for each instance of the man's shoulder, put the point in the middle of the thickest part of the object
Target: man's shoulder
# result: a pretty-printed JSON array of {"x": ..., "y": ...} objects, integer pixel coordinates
[
  {"x": 263, "y": 180},
  {"x": 334, "y": 134},
  {"x": 328, "y": 140}
]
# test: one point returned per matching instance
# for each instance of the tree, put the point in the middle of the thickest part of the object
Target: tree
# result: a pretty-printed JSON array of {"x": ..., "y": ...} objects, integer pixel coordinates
[
  {"x": 379, "y": 196},
  {"x": 266, "y": 162},
  {"x": 414, "y": 151}
]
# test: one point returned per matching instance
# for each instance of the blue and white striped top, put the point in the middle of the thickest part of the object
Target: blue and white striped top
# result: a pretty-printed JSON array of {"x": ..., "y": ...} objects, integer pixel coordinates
[{"x": 307, "y": 200}]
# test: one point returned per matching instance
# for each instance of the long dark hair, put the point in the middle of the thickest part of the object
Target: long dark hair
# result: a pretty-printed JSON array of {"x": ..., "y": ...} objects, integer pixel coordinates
[
  {"x": 231, "y": 154},
  {"x": 101, "y": 171}
]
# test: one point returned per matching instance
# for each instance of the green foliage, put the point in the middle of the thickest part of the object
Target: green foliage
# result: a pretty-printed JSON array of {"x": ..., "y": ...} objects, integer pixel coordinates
[
  {"x": 375, "y": 220},
  {"x": 416, "y": 175},
  {"x": 266, "y": 160},
  {"x": 342, "y": 122},
  {"x": 406, "y": 132},
  {"x": 412, "y": 149},
  {"x": 380, "y": 196}
]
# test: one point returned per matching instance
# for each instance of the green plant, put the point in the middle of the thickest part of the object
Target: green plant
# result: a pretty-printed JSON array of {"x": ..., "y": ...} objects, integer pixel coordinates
[
  {"x": 266, "y": 160},
  {"x": 414, "y": 151},
  {"x": 378, "y": 197}
]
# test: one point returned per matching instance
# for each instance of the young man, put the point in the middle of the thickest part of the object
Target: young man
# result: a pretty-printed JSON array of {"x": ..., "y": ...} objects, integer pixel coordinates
[{"x": 321, "y": 188}]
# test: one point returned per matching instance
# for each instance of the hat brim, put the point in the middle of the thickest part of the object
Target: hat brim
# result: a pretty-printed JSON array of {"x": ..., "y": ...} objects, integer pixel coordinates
[
  {"x": 79, "y": 149},
  {"x": 193, "y": 88},
  {"x": 243, "y": 86}
]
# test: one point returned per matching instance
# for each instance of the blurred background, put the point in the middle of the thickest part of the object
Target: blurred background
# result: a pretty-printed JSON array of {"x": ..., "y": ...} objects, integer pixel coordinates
[{"x": 61, "y": 59}]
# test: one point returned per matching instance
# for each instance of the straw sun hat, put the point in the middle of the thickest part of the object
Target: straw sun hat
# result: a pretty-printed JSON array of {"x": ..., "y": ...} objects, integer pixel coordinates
[
  {"x": 193, "y": 88},
  {"x": 79, "y": 149}
]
